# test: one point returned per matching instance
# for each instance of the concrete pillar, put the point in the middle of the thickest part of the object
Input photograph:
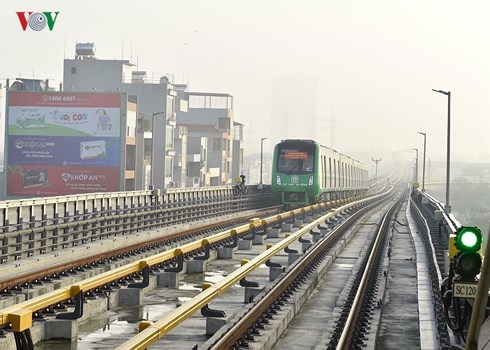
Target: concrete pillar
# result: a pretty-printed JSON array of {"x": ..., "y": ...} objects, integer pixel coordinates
[
  {"x": 274, "y": 272},
  {"x": 244, "y": 244},
  {"x": 60, "y": 329},
  {"x": 308, "y": 218},
  {"x": 195, "y": 266},
  {"x": 292, "y": 257},
  {"x": 130, "y": 296},
  {"x": 168, "y": 280},
  {"x": 225, "y": 253},
  {"x": 315, "y": 236},
  {"x": 258, "y": 240},
  {"x": 305, "y": 246},
  {"x": 213, "y": 324},
  {"x": 273, "y": 232},
  {"x": 251, "y": 293},
  {"x": 323, "y": 231},
  {"x": 286, "y": 227}
]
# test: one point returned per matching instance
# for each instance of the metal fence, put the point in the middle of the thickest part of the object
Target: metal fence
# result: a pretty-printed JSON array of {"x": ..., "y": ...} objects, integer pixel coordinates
[{"x": 41, "y": 225}]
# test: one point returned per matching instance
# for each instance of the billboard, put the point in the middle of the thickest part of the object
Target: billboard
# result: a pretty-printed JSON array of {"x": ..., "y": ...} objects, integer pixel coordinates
[{"x": 60, "y": 143}]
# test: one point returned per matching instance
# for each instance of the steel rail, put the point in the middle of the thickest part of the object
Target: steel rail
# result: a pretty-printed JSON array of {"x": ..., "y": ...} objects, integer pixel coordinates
[
  {"x": 160, "y": 328},
  {"x": 348, "y": 330},
  {"x": 20, "y": 315}
]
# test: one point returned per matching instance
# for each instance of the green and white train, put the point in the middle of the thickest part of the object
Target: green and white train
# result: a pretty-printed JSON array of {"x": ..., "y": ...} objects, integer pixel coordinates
[{"x": 304, "y": 171}]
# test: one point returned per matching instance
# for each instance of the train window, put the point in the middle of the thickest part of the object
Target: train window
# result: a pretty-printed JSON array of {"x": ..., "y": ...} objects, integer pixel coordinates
[
  {"x": 293, "y": 161},
  {"x": 350, "y": 175},
  {"x": 324, "y": 171},
  {"x": 330, "y": 170},
  {"x": 340, "y": 173},
  {"x": 341, "y": 177}
]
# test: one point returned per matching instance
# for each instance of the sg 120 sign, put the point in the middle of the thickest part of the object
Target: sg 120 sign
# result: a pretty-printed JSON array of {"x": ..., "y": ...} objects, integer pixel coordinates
[{"x": 464, "y": 290}]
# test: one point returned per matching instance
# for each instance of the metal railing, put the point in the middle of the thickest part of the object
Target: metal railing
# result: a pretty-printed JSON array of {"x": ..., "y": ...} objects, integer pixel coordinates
[
  {"x": 43, "y": 225},
  {"x": 436, "y": 208}
]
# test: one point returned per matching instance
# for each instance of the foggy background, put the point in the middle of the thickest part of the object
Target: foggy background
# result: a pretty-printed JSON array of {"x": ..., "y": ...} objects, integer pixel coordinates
[{"x": 354, "y": 75}]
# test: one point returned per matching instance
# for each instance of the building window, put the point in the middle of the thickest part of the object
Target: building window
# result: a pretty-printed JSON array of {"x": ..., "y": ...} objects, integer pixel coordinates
[
  {"x": 130, "y": 157},
  {"x": 168, "y": 167},
  {"x": 170, "y": 138},
  {"x": 73, "y": 70},
  {"x": 224, "y": 123}
]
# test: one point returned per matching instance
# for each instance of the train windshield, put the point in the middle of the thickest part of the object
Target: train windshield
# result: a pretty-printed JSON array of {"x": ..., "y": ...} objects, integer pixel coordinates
[{"x": 295, "y": 161}]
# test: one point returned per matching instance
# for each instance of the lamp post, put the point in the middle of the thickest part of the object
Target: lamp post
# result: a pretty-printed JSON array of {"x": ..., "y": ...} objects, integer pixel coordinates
[
  {"x": 423, "y": 165},
  {"x": 448, "y": 155},
  {"x": 376, "y": 161},
  {"x": 261, "y": 156},
  {"x": 153, "y": 115},
  {"x": 416, "y": 178}
]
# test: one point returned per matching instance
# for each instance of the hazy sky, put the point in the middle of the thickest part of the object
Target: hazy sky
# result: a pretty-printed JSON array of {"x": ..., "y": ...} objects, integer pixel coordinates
[{"x": 375, "y": 62}]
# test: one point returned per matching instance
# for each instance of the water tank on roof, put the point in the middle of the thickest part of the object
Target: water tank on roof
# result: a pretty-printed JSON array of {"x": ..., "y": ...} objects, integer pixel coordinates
[{"x": 85, "y": 49}]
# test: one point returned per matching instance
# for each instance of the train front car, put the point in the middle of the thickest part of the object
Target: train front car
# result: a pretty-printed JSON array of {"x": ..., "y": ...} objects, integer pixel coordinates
[{"x": 294, "y": 171}]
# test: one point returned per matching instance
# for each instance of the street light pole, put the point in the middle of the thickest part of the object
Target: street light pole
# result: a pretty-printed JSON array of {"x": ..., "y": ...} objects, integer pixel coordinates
[
  {"x": 376, "y": 161},
  {"x": 416, "y": 165},
  {"x": 423, "y": 165},
  {"x": 261, "y": 156},
  {"x": 448, "y": 156}
]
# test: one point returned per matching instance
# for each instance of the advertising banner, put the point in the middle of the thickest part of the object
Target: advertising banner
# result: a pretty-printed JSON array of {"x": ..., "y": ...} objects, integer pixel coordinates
[
  {"x": 62, "y": 143},
  {"x": 44, "y": 181}
]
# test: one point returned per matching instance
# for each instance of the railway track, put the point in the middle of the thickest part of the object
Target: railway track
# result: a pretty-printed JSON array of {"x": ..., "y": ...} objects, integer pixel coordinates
[
  {"x": 345, "y": 217},
  {"x": 353, "y": 323},
  {"x": 248, "y": 329}
]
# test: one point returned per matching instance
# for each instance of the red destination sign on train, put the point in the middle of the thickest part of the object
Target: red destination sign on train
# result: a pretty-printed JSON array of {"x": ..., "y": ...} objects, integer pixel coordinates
[{"x": 295, "y": 155}]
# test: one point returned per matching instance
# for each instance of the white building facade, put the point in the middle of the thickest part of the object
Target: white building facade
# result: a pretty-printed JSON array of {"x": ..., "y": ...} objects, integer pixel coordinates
[{"x": 155, "y": 101}]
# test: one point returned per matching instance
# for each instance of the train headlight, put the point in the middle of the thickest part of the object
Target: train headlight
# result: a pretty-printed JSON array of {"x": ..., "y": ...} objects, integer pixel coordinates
[
  {"x": 310, "y": 181},
  {"x": 278, "y": 180}
]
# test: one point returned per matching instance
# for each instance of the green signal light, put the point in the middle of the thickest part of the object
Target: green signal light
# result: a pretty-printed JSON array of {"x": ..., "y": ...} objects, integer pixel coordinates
[
  {"x": 468, "y": 239},
  {"x": 468, "y": 261}
]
